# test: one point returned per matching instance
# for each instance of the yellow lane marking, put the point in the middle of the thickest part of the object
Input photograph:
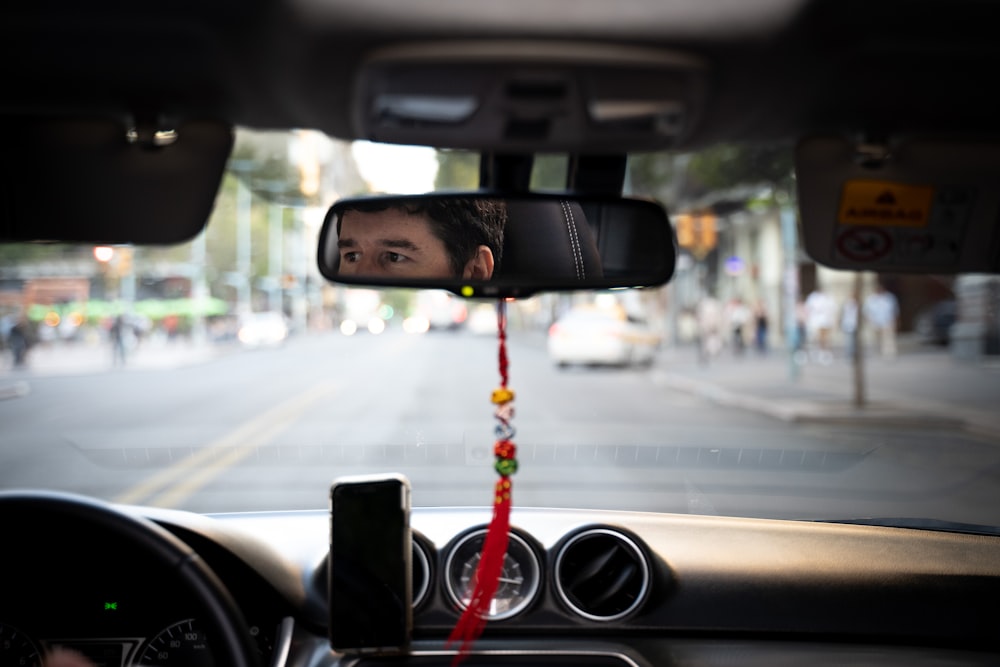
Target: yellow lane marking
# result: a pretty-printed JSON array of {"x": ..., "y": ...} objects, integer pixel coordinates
[{"x": 188, "y": 475}]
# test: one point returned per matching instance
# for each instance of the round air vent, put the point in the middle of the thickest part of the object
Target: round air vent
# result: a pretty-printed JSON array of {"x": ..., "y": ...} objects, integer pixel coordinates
[
  {"x": 421, "y": 572},
  {"x": 602, "y": 574}
]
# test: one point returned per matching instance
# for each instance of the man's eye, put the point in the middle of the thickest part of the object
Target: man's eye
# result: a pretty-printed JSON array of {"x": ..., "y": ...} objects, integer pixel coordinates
[
  {"x": 395, "y": 257},
  {"x": 349, "y": 257}
]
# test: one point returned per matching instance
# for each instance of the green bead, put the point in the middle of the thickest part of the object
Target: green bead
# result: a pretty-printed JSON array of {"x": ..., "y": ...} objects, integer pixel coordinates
[{"x": 506, "y": 467}]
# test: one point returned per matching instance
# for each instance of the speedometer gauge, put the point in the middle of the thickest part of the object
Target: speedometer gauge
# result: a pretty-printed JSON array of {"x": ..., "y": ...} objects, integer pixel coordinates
[
  {"x": 16, "y": 648},
  {"x": 519, "y": 580},
  {"x": 182, "y": 643}
]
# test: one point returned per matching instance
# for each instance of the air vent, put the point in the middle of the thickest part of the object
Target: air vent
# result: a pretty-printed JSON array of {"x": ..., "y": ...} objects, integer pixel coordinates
[
  {"x": 602, "y": 575},
  {"x": 421, "y": 572}
]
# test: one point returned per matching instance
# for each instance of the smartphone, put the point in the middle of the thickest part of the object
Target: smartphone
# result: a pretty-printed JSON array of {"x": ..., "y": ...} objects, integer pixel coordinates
[{"x": 370, "y": 574}]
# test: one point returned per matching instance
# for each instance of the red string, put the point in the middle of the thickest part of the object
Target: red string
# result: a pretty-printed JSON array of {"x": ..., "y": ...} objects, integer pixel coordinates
[
  {"x": 502, "y": 335},
  {"x": 487, "y": 578}
]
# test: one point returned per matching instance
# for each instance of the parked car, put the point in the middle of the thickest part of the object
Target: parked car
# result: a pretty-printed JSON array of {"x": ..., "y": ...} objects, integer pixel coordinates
[
  {"x": 262, "y": 329},
  {"x": 183, "y": 516},
  {"x": 592, "y": 335}
]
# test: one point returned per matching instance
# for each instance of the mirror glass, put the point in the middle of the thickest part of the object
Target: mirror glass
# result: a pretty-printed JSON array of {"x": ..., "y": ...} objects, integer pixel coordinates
[{"x": 487, "y": 245}]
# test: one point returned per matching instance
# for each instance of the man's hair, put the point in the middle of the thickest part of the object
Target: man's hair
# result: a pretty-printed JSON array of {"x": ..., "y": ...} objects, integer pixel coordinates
[{"x": 462, "y": 224}]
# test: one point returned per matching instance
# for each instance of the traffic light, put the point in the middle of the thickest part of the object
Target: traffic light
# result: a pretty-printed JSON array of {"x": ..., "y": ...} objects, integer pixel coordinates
[
  {"x": 696, "y": 232},
  {"x": 707, "y": 235},
  {"x": 684, "y": 225}
]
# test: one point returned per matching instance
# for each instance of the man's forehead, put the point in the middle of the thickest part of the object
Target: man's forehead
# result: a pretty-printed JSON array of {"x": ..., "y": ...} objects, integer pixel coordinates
[
  {"x": 392, "y": 213},
  {"x": 394, "y": 228},
  {"x": 395, "y": 243}
]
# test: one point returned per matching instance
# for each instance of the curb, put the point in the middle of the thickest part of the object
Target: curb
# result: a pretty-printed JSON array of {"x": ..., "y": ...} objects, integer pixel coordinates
[{"x": 813, "y": 412}]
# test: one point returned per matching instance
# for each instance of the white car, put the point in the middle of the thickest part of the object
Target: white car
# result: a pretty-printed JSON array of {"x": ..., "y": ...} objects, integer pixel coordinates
[
  {"x": 263, "y": 329},
  {"x": 601, "y": 336}
]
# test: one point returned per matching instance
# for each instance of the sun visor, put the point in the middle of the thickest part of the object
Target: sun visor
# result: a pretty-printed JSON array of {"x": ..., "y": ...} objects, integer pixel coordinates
[
  {"x": 528, "y": 96},
  {"x": 103, "y": 181},
  {"x": 919, "y": 205}
]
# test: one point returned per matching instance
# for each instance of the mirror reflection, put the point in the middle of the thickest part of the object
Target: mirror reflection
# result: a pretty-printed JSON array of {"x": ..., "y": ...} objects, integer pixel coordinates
[
  {"x": 527, "y": 242},
  {"x": 427, "y": 238}
]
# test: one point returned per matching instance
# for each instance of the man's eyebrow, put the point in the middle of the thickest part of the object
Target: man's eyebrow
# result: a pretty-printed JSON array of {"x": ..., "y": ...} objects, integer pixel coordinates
[{"x": 398, "y": 244}]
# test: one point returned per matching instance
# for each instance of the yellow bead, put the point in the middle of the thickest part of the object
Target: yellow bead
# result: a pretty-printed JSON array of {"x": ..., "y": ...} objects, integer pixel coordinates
[{"x": 502, "y": 395}]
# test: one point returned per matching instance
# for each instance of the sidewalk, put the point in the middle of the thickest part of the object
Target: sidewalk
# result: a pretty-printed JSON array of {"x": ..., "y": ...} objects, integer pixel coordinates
[
  {"x": 921, "y": 388},
  {"x": 55, "y": 359}
]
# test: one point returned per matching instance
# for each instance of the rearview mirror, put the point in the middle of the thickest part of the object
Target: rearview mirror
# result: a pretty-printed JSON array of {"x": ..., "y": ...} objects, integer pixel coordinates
[{"x": 488, "y": 245}]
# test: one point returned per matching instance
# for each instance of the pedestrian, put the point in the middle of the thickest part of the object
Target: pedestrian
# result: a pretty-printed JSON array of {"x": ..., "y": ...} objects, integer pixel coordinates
[
  {"x": 709, "y": 328},
  {"x": 20, "y": 338},
  {"x": 738, "y": 316},
  {"x": 760, "y": 327},
  {"x": 118, "y": 333},
  {"x": 821, "y": 316},
  {"x": 882, "y": 312}
]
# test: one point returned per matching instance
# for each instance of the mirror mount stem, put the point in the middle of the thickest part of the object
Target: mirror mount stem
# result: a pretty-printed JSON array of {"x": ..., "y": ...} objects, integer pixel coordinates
[
  {"x": 508, "y": 173},
  {"x": 599, "y": 175}
]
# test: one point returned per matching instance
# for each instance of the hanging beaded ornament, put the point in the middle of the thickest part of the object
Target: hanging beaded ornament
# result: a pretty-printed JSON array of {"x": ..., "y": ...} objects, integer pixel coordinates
[{"x": 484, "y": 585}]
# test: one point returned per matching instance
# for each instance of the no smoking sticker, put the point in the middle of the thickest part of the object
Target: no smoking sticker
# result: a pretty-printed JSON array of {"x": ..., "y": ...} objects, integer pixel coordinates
[
  {"x": 885, "y": 204},
  {"x": 864, "y": 244}
]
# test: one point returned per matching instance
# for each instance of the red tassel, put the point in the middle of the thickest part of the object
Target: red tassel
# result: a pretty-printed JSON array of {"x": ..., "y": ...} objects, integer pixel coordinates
[
  {"x": 487, "y": 578},
  {"x": 473, "y": 620}
]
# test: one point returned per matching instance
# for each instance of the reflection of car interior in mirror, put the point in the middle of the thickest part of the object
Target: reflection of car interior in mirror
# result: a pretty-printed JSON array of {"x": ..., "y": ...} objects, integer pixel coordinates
[
  {"x": 422, "y": 238},
  {"x": 549, "y": 240}
]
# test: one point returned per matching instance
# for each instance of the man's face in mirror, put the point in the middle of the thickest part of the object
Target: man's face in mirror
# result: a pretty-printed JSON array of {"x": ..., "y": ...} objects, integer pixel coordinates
[{"x": 397, "y": 242}]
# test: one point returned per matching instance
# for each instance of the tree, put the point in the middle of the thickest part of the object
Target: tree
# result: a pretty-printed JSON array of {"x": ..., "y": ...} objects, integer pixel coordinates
[
  {"x": 457, "y": 170},
  {"x": 732, "y": 165}
]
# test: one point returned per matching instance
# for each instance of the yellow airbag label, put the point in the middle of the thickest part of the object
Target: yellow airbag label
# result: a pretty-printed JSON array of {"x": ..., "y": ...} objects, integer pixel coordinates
[{"x": 885, "y": 204}]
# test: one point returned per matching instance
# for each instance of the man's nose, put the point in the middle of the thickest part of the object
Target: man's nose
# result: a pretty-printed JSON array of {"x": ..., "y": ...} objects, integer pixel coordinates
[
  {"x": 361, "y": 267},
  {"x": 366, "y": 266}
]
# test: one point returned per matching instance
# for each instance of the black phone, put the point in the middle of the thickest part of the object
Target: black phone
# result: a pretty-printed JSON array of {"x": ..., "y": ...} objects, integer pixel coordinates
[{"x": 370, "y": 575}]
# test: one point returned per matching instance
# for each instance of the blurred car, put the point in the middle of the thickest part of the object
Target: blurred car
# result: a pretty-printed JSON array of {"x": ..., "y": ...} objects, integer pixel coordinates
[
  {"x": 442, "y": 310},
  {"x": 592, "y": 335},
  {"x": 482, "y": 319},
  {"x": 264, "y": 329}
]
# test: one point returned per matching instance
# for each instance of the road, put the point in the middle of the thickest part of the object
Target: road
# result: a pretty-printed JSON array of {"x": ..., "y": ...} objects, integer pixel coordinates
[{"x": 270, "y": 428}]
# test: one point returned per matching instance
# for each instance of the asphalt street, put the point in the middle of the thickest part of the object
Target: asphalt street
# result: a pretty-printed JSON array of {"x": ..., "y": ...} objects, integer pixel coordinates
[{"x": 224, "y": 429}]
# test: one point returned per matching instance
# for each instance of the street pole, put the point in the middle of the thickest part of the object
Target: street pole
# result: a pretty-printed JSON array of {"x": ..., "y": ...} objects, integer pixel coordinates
[
  {"x": 127, "y": 278},
  {"x": 299, "y": 307},
  {"x": 790, "y": 297},
  {"x": 199, "y": 288},
  {"x": 244, "y": 202},
  {"x": 858, "y": 352},
  {"x": 275, "y": 256}
]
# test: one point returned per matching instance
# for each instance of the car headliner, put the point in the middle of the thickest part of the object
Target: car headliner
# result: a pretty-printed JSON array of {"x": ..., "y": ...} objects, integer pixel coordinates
[{"x": 775, "y": 68}]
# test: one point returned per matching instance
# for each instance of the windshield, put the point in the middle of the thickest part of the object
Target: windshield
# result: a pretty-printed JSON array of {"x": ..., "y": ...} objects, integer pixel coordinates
[{"x": 226, "y": 375}]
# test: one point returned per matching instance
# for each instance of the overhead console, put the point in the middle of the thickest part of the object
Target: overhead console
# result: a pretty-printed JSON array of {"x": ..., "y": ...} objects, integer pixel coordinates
[{"x": 529, "y": 96}]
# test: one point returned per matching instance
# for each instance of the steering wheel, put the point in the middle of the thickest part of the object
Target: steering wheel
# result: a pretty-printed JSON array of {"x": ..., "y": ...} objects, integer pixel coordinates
[{"x": 85, "y": 523}]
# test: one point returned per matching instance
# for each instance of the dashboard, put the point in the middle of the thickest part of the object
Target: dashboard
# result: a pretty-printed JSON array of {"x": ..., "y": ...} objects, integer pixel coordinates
[{"x": 579, "y": 588}]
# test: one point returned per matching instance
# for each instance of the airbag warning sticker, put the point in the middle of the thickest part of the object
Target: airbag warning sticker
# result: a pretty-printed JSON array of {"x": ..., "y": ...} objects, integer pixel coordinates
[
  {"x": 888, "y": 225},
  {"x": 885, "y": 204}
]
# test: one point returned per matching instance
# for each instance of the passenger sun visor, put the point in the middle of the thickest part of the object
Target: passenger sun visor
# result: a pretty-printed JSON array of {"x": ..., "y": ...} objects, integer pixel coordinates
[
  {"x": 529, "y": 96},
  {"x": 921, "y": 205},
  {"x": 487, "y": 245},
  {"x": 108, "y": 182}
]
